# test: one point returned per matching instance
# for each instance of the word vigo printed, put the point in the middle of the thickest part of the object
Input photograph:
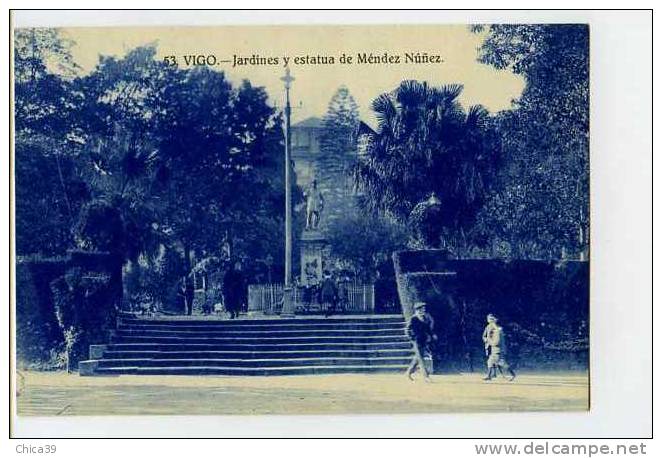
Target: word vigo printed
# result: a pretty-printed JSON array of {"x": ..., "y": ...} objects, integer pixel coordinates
[{"x": 256, "y": 60}]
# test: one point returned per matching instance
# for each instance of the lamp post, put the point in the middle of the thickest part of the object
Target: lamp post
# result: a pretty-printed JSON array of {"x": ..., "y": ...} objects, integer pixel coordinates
[
  {"x": 287, "y": 79},
  {"x": 288, "y": 305}
]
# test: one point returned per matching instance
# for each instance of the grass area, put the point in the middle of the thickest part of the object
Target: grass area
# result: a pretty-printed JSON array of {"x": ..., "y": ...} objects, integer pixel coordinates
[{"x": 58, "y": 393}]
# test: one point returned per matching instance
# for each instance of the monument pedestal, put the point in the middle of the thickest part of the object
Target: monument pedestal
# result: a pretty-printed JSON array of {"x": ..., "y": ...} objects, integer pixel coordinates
[
  {"x": 288, "y": 303},
  {"x": 314, "y": 247}
]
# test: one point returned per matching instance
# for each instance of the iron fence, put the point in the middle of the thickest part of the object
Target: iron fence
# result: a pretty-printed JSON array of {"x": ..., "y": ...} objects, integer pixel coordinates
[{"x": 268, "y": 299}]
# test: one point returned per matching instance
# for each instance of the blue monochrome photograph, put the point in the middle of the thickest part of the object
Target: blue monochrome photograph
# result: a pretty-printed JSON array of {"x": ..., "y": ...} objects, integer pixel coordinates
[{"x": 301, "y": 219}]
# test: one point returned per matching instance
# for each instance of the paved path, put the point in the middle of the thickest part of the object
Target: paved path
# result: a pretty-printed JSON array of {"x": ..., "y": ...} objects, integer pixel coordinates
[{"x": 46, "y": 394}]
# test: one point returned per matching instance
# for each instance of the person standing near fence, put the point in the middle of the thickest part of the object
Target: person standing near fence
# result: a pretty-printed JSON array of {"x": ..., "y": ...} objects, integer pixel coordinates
[
  {"x": 328, "y": 294},
  {"x": 185, "y": 292},
  {"x": 234, "y": 290},
  {"x": 420, "y": 330},
  {"x": 343, "y": 293}
]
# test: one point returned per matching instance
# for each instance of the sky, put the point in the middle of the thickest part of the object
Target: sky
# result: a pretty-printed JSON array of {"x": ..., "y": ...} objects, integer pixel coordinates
[{"x": 314, "y": 85}]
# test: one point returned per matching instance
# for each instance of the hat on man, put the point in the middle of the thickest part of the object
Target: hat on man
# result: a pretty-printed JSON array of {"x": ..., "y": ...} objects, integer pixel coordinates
[
  {"x": 491, "y": 317},
  {"x": 419, "y": 305}
]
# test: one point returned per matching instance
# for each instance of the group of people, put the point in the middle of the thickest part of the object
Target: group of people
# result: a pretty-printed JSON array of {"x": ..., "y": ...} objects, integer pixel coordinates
[
  {"x": 331, "y": 293},
  {"x": 420, "y": 330},
  {"x": 234, "y": 289}
]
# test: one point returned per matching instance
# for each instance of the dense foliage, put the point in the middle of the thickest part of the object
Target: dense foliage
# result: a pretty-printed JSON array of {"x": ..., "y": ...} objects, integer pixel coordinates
[
  {"x": 151, "y": 162},
  {"x": 46, "y": 174},
  {"x": 427, "y": 143},
  {"x": 365, "y": 242},
  {"x": 148, "y": 158},
  {"x": 39, "y": 339},
  {"x": 84, "y": 307},
  {"x": 512, "y": 184},
  {"x": 540, "y": 207}
]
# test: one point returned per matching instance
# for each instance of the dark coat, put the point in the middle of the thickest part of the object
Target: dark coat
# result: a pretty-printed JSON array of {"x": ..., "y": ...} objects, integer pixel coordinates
[
  {"x": 234, "y": 290},
  {"x": 420, "y": 331},
  {"x": 328, "y": 292}
]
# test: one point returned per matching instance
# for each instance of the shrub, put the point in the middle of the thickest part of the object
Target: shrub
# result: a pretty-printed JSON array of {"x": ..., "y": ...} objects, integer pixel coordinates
[
  {"x": 85, "y": 310},
  {"x": 38, "y": 335},
  {"x": 543, "y": 306}
]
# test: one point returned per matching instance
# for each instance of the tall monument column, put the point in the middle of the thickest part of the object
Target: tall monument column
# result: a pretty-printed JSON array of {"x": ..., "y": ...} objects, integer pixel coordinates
[{"x": 288, "y": 303}]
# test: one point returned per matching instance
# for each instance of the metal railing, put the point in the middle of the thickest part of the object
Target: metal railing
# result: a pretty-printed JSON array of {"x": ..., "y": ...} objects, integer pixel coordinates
[{"x": 268, "y": 299}]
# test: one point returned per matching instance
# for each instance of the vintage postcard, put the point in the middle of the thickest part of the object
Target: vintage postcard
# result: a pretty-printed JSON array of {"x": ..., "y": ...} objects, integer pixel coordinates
[{"x": 301, "y": 219}]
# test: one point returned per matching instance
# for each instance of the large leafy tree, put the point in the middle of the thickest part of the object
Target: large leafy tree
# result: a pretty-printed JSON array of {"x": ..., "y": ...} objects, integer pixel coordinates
[
  {"x": 540, "y": 208},
  {"x": 49, "y": 189},
  {"x": 221, "y": 171},
  {"x": 117, "y": 107},
  {"x": 174, "y": 158},
  {"x": 427, "y": 143},
  {"x": 43, "y": 70},
  {"x": 189, "y": 160},
  {"x": 365, "y": 242}
]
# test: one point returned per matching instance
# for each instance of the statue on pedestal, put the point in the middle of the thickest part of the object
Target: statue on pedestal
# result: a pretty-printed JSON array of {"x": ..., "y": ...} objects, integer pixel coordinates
[{"x": 314, "y": 206}]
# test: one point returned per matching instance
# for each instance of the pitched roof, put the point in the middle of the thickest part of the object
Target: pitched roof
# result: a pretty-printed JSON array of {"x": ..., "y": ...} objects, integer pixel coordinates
[{"x": 309, "y": 122}]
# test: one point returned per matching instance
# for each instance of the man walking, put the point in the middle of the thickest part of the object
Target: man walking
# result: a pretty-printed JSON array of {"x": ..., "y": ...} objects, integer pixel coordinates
[
  {"x": 494, "y": 339},
  {"x": 420, "y": 330}
]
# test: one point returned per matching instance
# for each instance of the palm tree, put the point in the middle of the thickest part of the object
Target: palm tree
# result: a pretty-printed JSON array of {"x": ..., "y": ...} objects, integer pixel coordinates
[{"x": 427, "y": 143}]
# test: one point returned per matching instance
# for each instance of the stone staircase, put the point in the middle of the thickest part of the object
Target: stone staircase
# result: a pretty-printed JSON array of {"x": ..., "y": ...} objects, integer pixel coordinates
[{"x": 276, "y": 346}]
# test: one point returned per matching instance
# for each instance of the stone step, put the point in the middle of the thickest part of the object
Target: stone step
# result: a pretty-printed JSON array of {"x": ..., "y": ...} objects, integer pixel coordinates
[
  {"x": 253, "y": 363},
  {"x": 320, "y": 320},
  {"x": 229, "y": 326},
  {"x": 123, "y": 332},
  {"x": 261, "y": 340},
  {"x": 211, "y": 346},
  {"x": 255, "y": 347},
  {"x": 248, "y": 355},
  {"x": 242, "y": 371}
]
